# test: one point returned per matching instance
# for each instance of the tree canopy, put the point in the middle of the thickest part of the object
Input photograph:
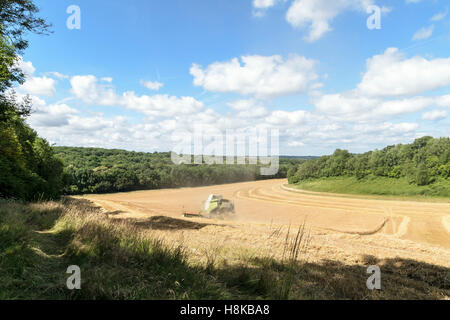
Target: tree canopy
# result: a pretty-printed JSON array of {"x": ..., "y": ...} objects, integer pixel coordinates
[
  {"x": 28, "y": 166},
  {"x": 95, "y": 170},
  {"x": 421, "y": 162}
]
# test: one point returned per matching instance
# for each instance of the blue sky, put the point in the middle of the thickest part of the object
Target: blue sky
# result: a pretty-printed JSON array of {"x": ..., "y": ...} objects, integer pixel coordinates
[{"x": 138, "y": 72}]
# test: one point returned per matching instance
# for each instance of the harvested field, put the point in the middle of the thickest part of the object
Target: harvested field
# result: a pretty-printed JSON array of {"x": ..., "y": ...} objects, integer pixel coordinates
[{"x": 342, "y": 229}]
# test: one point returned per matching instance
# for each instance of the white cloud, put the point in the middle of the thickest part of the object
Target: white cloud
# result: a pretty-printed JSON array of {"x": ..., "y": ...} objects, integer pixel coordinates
[
  {"x": 93, "y": 131},
  {"x": 296, "y": 144},
  {"x": 299, "y": 129},
  {"x": 391, "y": 87},
  {"x": 26, "y": 66},
  {"x": 317, "y": 14},
  {"x": 352, "y": 106},
  {"x": 423, "y": 33},
  {"x": 257, "y": 75},
  {"x": 260, "y": 6},
  {"x": 387, "y": 129},
  {"x": 392, "y": 74},
  {"x": 249, "y": 109},
  {"x": 55, "y": 115},
  {"x": 403, "y": 106},
  {"x": 443, "y": 101},
  {"x": 90, "y": 91},
  {"x": 439, "y": 16},
  {"x": 344, "y": 104},
  {"x": 434, "y": 115},
  {"x": 242, "y": 105},
  {"x": 289, "y": 118},
  {"x": 359, "y": 119},
  {"x": 152, "y": 85},
  {"x": 161, "y": 105},
  {"x": 57, "y": 75},
  {"x": 88, "y": 125},
  {"x": 39, "y": 86},
  {"x": 264, "y": 4}
]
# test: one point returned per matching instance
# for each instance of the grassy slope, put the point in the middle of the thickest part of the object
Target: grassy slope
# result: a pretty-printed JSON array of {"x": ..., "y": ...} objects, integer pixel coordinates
[
  {"x": 39, "y": 241},
  {"x": 379, "y": 186}
]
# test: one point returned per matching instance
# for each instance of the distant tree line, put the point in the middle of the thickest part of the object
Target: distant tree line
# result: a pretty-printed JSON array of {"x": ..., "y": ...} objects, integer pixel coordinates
[
  {"x": 421, "y": 162},
  {"x": 95, "y": 170}
]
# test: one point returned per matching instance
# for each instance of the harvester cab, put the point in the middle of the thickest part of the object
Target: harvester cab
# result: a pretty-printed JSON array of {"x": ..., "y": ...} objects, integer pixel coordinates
[{"x": 214, "y": 207}]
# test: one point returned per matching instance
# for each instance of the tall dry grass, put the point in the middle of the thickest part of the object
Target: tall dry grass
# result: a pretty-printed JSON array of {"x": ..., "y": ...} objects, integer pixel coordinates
[{"x": 120, "y": 260}]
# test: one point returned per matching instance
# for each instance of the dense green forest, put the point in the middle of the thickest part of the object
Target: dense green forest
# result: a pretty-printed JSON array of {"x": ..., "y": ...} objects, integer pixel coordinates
[
  {"x": 421, "y": 163},
  {"x": 28, "y": 166},
  {"x": 95, "y": 170}
]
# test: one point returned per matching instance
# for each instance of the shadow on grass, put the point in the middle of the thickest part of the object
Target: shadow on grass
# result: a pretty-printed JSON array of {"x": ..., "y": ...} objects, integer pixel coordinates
[
  {"x": 114, "y": 213},
  {"x": 330, "y": 279},
  {"x": 116, "y": 264},
  {"x": 154, "y": 222},
  {"x": 167, "y": 223}
]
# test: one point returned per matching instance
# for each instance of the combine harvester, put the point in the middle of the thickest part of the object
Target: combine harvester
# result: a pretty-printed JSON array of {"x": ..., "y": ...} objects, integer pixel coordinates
[{"x": 216, "y": 207}]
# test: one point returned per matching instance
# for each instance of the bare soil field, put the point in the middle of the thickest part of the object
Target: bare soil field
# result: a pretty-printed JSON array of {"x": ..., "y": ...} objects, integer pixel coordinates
[{"x": 345, "y": 229}]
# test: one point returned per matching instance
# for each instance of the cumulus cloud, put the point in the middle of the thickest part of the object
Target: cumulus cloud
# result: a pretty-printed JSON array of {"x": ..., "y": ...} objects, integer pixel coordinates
[
  {"x": 88, "y": 89},
  {"x": 345, "y": 104},
  {"x": 392, "y": 74},
  {"x": 434, "y": 115},
  {"x": 54, "y": 115},
  {"x": 318, "y": 14},
  {"x": 41, "y": 86},
  {"x": 353, "y": 106},
  {"x": 249, "y": 108},
  {"x": 94, "y": 131},
  {"x": 299, "y": 129},
  {"x": 261, "y": 76},
  {"x": 161, "y": 105},
  {"x": 372, "y": 113},
  {"x": 387, "y": 128},
  {"x": 391, "y": 86},
  {"x": 403, "y": 106},
  {"x": 26, "y": 66},
  {"x": 289, "y": 118},
  {"x": 443, "y": 101}
]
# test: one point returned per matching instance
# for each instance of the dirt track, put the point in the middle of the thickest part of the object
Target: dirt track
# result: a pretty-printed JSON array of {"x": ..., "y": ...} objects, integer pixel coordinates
[{"x": 378, "y": 225}]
